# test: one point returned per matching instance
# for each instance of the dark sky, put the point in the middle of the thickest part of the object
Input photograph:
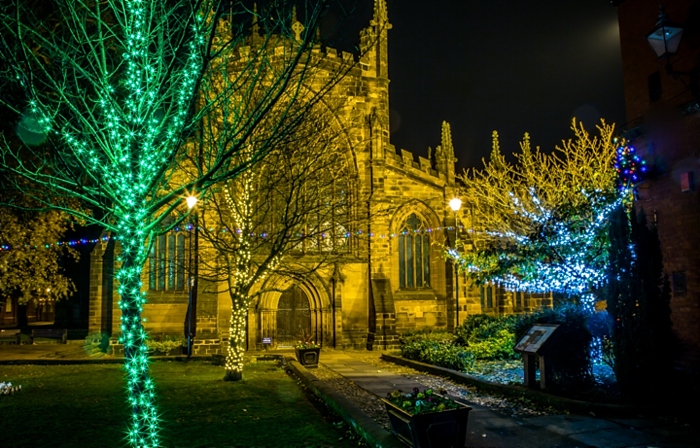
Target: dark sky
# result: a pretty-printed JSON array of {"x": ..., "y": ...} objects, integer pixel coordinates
[{"x": 514, "y": 66}]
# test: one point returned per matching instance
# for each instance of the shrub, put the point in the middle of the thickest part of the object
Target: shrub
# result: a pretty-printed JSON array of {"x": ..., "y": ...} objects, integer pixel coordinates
[
  {"x": 164, "y": 344},
  {"x": 488, "y": 337},
  {"x": 100, "y": 340},
  {"x": 497, "y": 347},
  {"x": 443, "y": 354},
  {"x": 428, "y": 334},
  {"x": 471, "y": 324},
  {"x": 570, "y": 352}
]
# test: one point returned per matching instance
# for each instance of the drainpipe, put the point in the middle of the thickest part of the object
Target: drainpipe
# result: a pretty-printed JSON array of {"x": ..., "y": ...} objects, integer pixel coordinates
[
  {"x": 333, "y": 285},
  {"x": 371, "y": 312}
]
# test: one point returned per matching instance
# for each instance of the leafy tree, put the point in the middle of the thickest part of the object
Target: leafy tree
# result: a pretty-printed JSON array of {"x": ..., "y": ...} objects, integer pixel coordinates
[
  {"x": 29, "y": 267},
  {"x": 289, "y": 216},
  {"x": 116, "y": 91},
  {"x": 540, "y": 224}
]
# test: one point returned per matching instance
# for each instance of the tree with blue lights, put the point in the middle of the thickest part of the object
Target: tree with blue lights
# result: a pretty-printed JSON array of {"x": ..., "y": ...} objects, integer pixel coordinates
[
  {"x": 637, "y": 292},
  {"x": 115, "y": 95},
  {"x": 540, "y": 225}
]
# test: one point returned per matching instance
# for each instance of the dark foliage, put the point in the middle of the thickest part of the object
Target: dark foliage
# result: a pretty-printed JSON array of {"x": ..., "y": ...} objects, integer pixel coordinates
[
  {"x": 638, "y": 299},
  {"x": 570, "y": 350}
]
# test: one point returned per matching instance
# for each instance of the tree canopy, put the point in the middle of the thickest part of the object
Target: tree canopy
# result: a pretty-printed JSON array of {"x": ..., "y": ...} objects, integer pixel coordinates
[
  {"x": 29, "y": 267},
  {"x": 539, "y": 224}
]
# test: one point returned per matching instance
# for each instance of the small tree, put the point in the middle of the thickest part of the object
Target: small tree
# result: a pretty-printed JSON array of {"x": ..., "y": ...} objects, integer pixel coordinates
[
  {"x": 288, "y": 216},
  {"x": 31, "y": 257}
]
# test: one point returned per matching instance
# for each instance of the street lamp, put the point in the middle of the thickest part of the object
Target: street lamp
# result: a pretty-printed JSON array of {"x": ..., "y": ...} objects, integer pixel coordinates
[
  {"x": 194, "y": 273},
  {"x": 455, "y": 205},
  {"x": 665, "y": 38}
]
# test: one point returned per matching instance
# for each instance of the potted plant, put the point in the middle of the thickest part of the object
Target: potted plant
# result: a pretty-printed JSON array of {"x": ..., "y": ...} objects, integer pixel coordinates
[
  {"x": 307, "y": 350},
  {"x": 426, "y": 419}
]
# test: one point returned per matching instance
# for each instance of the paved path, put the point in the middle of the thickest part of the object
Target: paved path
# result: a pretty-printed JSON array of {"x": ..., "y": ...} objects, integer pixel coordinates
[{"x": 489, "y": 429}]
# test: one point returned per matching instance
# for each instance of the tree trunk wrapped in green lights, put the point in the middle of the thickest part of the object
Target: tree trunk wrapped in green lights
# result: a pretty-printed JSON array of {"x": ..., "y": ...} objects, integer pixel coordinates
[
  {"x": 114, "y": 93},
  {"x": 144, "y": 425}
]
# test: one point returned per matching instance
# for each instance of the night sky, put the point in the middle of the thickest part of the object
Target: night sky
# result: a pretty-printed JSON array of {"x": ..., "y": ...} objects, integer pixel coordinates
[{"x": 514, "y": 66}]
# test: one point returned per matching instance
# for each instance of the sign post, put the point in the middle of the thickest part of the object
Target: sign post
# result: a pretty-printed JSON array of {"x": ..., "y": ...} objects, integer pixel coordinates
[
  {"x": 266, "y": 343},
  {"x": 534, "y": 343}
]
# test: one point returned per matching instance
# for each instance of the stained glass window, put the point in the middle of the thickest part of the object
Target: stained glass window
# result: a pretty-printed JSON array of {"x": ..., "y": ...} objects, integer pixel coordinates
[{"x": 414, "y": 254}]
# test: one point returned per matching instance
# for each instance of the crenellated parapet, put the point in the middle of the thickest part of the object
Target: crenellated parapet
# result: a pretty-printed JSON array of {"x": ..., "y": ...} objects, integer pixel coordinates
[{"x": 439, "y": 165}]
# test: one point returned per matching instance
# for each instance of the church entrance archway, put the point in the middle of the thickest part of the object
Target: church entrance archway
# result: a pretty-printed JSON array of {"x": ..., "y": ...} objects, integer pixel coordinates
[{"x": 293, "y": 316}]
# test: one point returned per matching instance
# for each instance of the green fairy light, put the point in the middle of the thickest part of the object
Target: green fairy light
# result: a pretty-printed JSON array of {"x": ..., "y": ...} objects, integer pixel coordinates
[{"x": 115, "y": 98}]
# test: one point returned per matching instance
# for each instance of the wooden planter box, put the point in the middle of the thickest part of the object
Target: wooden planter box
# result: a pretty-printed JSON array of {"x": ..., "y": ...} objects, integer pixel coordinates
[
  {"x": 444, "y": 429},
  {"x": 308, "y": 357}
]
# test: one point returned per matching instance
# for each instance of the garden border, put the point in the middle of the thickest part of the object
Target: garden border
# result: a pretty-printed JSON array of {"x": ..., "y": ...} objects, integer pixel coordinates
[
  {"x": 372, "y": 432},
  {"x": 576, "y": 406}
]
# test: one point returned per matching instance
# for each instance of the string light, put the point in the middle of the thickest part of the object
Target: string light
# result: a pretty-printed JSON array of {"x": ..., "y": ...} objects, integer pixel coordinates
[
  {"x": 629, "y": 165},
  {"x": 263, "y": 235},
  {"x": 124, "y": 151},
  {"x": 579, "y": 265}
]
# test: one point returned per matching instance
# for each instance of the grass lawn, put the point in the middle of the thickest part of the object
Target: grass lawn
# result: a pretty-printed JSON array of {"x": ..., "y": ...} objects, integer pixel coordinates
[{"x": 85, "y": 406}]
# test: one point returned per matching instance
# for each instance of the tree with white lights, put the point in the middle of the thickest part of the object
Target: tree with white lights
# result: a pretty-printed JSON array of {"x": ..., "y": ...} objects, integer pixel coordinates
[
  {"x": 113, "y": 110},
  {"x": 540, "y": 225},
  {"x": 288, "y": 216}
]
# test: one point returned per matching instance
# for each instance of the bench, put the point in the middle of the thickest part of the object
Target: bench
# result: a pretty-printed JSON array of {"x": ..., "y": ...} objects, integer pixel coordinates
[
  {"x": 49, "y": 333},
  {"x": 11, "y": 336}
]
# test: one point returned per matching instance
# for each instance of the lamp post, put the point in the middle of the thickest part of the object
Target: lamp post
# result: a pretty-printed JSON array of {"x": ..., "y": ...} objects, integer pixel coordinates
[
  {"x": 194, "y": 273},
  {"x": 455, "y": 205},
  {"x": 665, "y": 38}
]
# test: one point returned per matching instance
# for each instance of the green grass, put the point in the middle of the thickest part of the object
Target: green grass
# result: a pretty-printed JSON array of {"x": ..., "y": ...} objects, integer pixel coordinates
[{"x": 85, "y": 406}]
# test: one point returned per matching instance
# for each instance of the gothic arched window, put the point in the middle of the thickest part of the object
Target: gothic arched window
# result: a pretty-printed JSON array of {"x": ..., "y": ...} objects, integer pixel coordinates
[
  {"x": 414, "y": 254},
  {"x": 166, "y": 263}
]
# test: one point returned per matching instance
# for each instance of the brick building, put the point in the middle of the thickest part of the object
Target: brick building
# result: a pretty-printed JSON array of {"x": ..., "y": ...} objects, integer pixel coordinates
[
  {"x": 663, "y": 113},
  {"x": 369, "y": 299}
]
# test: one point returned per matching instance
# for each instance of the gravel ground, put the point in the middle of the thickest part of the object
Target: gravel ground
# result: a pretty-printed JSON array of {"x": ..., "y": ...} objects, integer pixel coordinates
[{"x": 373, "y": 407}]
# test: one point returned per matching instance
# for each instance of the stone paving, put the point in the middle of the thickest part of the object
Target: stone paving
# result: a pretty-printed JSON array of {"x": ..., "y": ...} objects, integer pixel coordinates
[{"x": 490, "y": 429}]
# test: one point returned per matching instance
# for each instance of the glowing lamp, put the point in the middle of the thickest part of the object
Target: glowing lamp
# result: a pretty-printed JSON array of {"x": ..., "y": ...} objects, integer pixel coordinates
[
  {"x": 455, "y": 204},
  {"x": 191, "y": 201},
  {"x": 664, "y": 38}
]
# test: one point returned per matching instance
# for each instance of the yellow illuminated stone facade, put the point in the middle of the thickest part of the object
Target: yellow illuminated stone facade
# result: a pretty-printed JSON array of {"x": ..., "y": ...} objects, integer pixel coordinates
[{"x": 366, "y": 301}]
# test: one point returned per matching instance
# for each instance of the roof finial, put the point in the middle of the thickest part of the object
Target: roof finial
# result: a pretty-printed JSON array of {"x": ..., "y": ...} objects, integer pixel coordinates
[
  {"x": 297, "y": 26},
  {"x": 255, "y": 31},
  {"x": 447, "y": 138},
  {"x": 380, "y": 13}
]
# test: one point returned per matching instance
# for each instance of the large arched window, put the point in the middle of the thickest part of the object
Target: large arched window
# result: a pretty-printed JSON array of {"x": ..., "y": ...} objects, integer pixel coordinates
[{"x": 414, "y": 254}]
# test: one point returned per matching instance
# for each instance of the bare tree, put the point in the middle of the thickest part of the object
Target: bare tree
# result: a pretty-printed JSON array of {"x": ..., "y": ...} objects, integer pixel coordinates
[
  {"x": 112, "y": 95},
  {"x": 289, "y": 216}
]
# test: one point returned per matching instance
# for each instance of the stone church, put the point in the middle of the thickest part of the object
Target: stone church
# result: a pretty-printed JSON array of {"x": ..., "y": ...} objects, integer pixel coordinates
[{"x": 395, "y": 278}]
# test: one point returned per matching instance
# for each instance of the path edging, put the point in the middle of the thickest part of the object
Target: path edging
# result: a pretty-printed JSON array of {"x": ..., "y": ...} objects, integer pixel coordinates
[
  {"x": 576, "y": 406},
  {"x": 372, "y": 432}
]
